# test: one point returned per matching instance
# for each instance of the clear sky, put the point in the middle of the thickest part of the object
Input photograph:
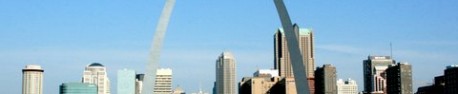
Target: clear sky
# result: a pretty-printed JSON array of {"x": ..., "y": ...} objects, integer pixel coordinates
[{"x": 63, "y": 36}]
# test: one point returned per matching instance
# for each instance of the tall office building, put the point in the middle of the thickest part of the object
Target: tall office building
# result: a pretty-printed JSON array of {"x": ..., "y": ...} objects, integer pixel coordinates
[
  {"x": 225, "y": 74},
  {"x": 436, "y": 88},
  {"x": 96, "y": 73},
  {"x": 374, "y": 74},
  {"x": 163, "y": 84},
  {"x": 126, "y": 81},
  {"x": 451, "y": 79},
  {"x": 139, "y": 83},
  {"x": 399, "y": 79},
  {"x": 32, "y": 79},
  {"x": 77, "y": 88},
  {"x": 325, "y": 80},
  {"x": 347, "y": 87},
  {"x": 282, "y": 60}
]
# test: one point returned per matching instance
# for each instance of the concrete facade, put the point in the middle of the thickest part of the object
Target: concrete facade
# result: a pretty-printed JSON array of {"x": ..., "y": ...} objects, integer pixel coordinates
[
  {"x": 399, "y": 79},
  {"x": 225, "y": 74},
  {"x": 374, "y": 74},
  {"x": 347, "y": 87},
  {"x": 325, "y": 80},
  {"x": 32, "y": 79},
  {"x": 163, "y": 84},
  {"x": 96, "y": 73}
]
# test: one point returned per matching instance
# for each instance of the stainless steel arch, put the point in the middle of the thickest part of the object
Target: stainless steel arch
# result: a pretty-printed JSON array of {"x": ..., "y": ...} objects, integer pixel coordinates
[
  {"x": 302, "y": 86},
  {"x": 153, "y": 60}
]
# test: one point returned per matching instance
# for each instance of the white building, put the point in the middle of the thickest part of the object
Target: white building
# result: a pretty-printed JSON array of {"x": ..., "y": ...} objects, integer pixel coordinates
[
  {"x": 32, "y": 79},
  {"x": 347, "y": 87},
  {"x": 163, "y": 83},
  {"x": 139, "y": 83},
  {"x": 266, "y": 72},
  {"x": 96, "y": 73}
]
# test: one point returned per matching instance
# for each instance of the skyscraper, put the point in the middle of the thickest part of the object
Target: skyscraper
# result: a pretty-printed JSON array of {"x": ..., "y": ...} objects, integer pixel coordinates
[
  {"x": 126, "y": 81},
  {"x": 163, "y": 84},
  {"x": 451, "y": 79},
  {"x": 347, "y": 87},
  {"x": 225, "y": 74},
  {"x": 32, "y": 79},
  {"x": 325, "y": 80},
  {"x": 139, "y": 83},
  {"x": 399, "y": 79},
  {"x": 78, "y": 88},
  {"x": 96, "y": 73},
  {"x": 374, "y": 74},
  {"x": 282, "y": 60}
]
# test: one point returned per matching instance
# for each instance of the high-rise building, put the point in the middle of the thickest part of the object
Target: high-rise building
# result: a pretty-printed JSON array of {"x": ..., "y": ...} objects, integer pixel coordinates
[
  {"x": 32, "y": 79},
  {"x": 139, "y": 83},
  {"x": 347, "y": 87},
  {"x": 78, "y": 88},
  {"x": 451, "y": 79},
  {"x": 282, "y": 60},
  {"x": 126, "y": 81},
  {"x": 399, "y": 79},
  {"x": 374, "y": 74},
  {"x": 225, "y": 74},
  {"x": 96, "y": 73},
  {"x": 163, "y": 84},
  {"x": 325, "y": 80}
]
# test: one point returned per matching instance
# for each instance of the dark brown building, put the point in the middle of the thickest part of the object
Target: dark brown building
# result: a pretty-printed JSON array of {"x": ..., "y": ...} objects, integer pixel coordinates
[
  {"x": 399, "y": 79},
  {"x": 325, "y": 80},
  {"x": 451, "y": 79}
]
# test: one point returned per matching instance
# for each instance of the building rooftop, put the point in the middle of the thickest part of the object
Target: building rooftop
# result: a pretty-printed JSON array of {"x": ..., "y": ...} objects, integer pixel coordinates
[
  {"x": 452, "y": 66},
  {"x": 33, "y": 67},
  {"x": 302, "y": 31},
  {"x": 227, "y": 55},
  {"x": 95, "y": 64}
]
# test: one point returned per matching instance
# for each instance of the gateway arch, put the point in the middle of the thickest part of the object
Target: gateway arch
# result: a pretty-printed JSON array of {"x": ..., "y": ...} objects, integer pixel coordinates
[{"x": 293, "y": 47}]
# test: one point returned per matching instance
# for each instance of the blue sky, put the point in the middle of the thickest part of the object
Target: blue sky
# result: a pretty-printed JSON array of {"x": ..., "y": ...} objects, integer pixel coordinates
[{"x": 64, "y": 36}]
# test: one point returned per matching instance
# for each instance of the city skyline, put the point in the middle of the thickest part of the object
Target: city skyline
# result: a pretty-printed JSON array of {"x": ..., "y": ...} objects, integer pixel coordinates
[{"x": 67, "y": 35}]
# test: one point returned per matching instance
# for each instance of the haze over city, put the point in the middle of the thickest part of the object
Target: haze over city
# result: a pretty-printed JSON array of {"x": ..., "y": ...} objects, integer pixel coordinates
[{"x": 66, "y": 36}]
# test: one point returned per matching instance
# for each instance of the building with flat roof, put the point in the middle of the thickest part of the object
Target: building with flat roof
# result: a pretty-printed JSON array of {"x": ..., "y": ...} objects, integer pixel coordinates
[
  {"x": 77, "y": 88},
  {"x": 374, "y": 74},
  {"x": 325, "y": 79},
  {"x": 163, "y": 81},
  {"x": 451, "y": 79},
  {"x": 126, "y": 81},
  {"x": 282, "y": 60},
  {"x": 348, "y": 86},
  {"x": 32, "y": 79},
  {"x": 399, "y": 79}
]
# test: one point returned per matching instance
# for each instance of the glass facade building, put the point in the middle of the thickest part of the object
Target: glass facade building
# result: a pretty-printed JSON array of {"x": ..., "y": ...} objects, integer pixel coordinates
[
  {"x": 78, "y": 88},
  {"x": 126, "y": 81}
]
